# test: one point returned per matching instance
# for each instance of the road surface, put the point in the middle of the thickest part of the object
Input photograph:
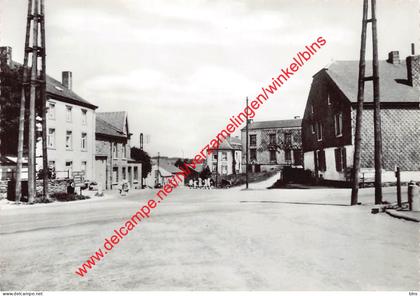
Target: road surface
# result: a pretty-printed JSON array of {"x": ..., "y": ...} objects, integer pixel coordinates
[{"x": 260, "y": 239}]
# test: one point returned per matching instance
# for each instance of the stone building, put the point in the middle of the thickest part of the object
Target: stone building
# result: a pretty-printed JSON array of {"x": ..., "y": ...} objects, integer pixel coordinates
[
  {"x": 329, "y": 121},
  {"x": 273, "y": 144},
  {"x": 113, "y": 156}
]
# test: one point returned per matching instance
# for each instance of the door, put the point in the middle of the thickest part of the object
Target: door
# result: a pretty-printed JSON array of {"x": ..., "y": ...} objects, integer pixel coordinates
[{"x": 100, "y": 172}]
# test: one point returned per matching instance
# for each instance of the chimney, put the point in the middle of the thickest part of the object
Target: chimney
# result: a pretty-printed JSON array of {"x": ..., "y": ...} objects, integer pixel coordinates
[
  {"x": 394, "y": 57},
  {"x": 67, "y": 80},
  {"x": 5, "y": 56},
  {"x": 413, "y": 70}
]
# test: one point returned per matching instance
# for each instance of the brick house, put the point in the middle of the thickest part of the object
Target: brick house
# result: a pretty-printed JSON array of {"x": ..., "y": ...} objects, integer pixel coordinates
[
  {"x": 328, "y": 125},
  {"x": 70, "y": 126},
  {"x": 226, "y": 160},
  {"x": 113, "y": 152},
  {"x": 273, "y": 144}
]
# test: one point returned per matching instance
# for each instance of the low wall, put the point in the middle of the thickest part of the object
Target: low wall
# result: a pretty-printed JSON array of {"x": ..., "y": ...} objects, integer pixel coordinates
[{"x": 55, "y": 186}]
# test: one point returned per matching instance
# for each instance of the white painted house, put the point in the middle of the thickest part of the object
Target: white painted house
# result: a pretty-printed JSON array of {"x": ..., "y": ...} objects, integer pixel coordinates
[{"x": 70, "y": 130}]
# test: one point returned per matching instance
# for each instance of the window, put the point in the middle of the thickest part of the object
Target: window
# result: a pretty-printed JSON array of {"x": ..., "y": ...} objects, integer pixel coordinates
[
  {"x": 51, "y": 111},
  {"x": 320, "y": 160},
  {"x": 312, "y": 109},
  {"x": 135, "y": 173},
  {"x": 84, "y": 116},
  {"x": 328, "y": 100},
  {"x": 51, "y": 138},
  {"x": 215, "y": 155},
  {"x": 51, "y": 164},
  {"x": 224, "y": 169},
  {"x": 273, "y": 156},
  {"x": 319, "y": 131},
  {"x": 83, "y": 144},
  {"x": 124, "y": 174},
  {"x": 340, "y": 159},
  {"x": 69, "y": 167},
  {"x": 224, "y": 155},
  {"x": 115, "y": 175},
  {"x": 214, "y": 167},
  {"x": 287, "y": 155},
  {"x": 125, "y": 150},
  {"x": 83, "y": 166},
  {"x": 272, "y": 138},
  {"x": 69, "y": 140},
  {"x": 313, "y": 128},
  {"x": 252, "y": 140},
  {"x": 115, "y": 150},
  {"x": 338, "y": 122},
  {"x": 288, "y": 138},
  {"x": 68, "y": 113},
  {"x": 253, "y": 154}
]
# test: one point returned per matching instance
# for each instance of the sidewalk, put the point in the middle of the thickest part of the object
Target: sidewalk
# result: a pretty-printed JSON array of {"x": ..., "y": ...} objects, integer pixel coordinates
[{"x": 404, "y": 214}]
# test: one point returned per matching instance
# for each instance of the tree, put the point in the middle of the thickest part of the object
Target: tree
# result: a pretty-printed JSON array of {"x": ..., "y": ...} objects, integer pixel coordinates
[
  {"x": 179, "y": 162},
  {"x": 141, "y": 156},
  {"x": 205, "y": 173}
]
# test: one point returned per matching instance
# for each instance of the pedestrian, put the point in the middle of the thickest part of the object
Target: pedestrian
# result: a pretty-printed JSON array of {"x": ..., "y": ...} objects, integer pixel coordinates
[{"x": 191, "y": 183}]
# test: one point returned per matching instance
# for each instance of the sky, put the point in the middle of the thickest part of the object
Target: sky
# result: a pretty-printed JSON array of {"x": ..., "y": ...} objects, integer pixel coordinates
[{"x": 181, "y": 68}]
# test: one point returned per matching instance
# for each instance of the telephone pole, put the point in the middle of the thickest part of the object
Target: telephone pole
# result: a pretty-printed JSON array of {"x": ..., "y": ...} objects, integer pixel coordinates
[
  {"x": 246, "y": 148},
  {"x": 35, "y": 21},
  {"x": 360, "y": 101},
  {"x": 43, "y": 93},
  {"x": 18, "y": 188}
]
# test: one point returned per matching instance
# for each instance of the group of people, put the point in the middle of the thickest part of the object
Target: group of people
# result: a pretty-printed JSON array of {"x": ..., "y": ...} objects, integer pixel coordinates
[{"x": 201, "y": 183}]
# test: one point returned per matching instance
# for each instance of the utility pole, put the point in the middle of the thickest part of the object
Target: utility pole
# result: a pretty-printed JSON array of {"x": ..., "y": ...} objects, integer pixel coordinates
[
  {"x": 141, "y": 141},
  {"x": 360, "y": 101},
  {"x": 377, "y": 108},
  {"x": 158, "y": 171},
  {"x": 32, "y": 98},
  {"x": 18, "y": 188},
  {"x": 43, "y": 92},
  {"x": 246, "y": 148}
]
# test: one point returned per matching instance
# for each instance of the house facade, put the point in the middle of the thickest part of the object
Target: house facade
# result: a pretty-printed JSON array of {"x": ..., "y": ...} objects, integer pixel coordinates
[
  {"x": 70, "y": 127},
  {"x": 162, "y": 173},
  {"x": 113, "y": 162},
  {"x": 226, "y": 160},
  {"x": 328, "y": 125},
  {"x": 70, "y": 130},
  {"x": 273, "y": 144}
]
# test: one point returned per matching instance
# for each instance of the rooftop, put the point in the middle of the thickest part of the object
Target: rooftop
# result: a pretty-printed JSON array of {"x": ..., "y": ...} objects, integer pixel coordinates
[
  {"x": 286, "y": 123},
  {"x": 393, "y": 81}
]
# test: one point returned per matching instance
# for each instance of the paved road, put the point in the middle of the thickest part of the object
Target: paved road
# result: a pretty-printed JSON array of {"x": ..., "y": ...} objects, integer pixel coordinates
[{"x": 213, "y": 240}]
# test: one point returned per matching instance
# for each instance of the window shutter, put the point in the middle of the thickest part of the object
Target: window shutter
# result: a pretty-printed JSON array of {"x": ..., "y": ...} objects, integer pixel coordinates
[
  {"x": 337, "y": 153},
  {"x": 344, "y": 157},
  {"x": 316, "y": 161},
  {"x": 324, "y": 165}
]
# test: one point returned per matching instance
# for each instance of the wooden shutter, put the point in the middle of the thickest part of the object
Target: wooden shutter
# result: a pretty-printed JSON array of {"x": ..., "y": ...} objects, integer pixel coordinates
[
  {"x": 344, "y": 157},
  {"x": 338, "y": 165}
]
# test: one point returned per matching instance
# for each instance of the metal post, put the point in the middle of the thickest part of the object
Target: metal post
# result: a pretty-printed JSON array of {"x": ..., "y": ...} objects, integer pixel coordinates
[
  {"x": 246, "y": 148},
  {"x": 377, "y": 109},
  {"x": 398, "y": 175}
]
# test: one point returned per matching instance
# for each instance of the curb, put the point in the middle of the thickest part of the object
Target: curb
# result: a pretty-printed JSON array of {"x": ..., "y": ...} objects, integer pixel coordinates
[{"x": 399, "y": 215}]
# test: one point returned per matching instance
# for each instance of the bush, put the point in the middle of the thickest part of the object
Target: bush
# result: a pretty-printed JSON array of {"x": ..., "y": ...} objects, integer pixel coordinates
[{"x": 63, "y": 196}]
